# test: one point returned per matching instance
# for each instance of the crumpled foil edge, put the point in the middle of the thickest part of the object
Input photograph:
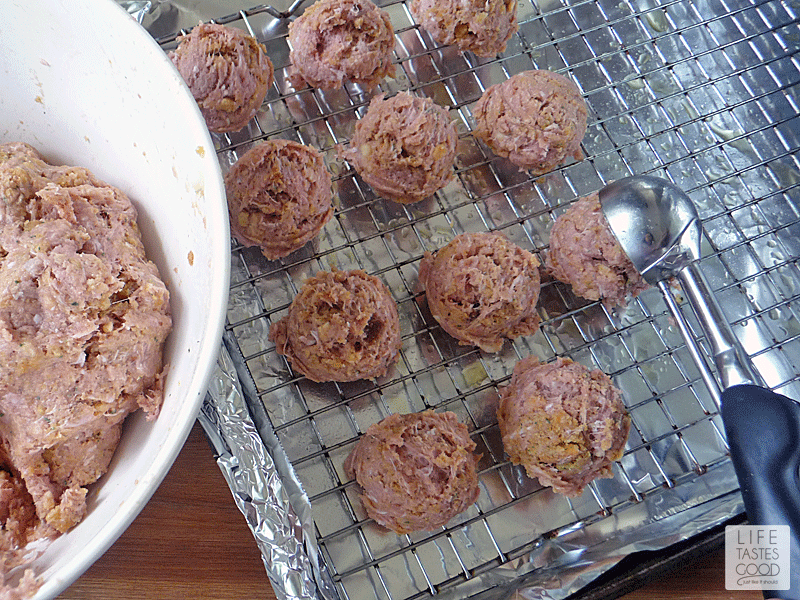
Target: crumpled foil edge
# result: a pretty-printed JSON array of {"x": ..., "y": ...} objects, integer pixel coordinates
[{"x": 249, "y": 458}]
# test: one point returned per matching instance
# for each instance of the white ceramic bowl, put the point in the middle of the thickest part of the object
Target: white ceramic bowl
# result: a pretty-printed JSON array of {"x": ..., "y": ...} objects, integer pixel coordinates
[{"x": 86, "y": 85}]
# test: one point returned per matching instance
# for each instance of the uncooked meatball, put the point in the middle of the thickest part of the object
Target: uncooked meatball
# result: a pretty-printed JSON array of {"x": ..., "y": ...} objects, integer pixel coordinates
[
  {"x": 481, "y": 26},
  {"x": 585, "y": 254},
  {"x": 564, "y": 423},
  {"x": 415, "y": 471},
  {"x": 481, "y": 288},
  {"x": 342, "y": 326},
  {"x": 279, "y": 197},
  {"x": 404, "y": 147},
  {"x": 227, "y": 71},
  {"x": 335, "y": 41},
  {"x": 536, "y": 119}
]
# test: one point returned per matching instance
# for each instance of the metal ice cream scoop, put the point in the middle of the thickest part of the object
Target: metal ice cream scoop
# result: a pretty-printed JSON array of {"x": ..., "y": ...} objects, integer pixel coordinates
[{"x": 657, "y": 225}]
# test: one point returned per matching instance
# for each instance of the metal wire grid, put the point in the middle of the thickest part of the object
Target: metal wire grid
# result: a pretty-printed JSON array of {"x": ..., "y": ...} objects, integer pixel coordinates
[{"x": 704, "y": 93}]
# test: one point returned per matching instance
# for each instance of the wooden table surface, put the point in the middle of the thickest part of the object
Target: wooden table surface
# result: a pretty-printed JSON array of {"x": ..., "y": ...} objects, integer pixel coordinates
[{"x": 191, "y": 542}]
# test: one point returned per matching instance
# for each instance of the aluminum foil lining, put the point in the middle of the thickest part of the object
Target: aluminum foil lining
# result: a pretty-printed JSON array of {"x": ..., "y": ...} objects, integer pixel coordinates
[
  {"x": 258, "y": 489},
  {"x": 704, "y": 93}
]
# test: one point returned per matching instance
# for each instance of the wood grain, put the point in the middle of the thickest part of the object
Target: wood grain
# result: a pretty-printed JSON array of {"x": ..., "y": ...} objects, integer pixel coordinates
[{"x": 191, "y": 541}]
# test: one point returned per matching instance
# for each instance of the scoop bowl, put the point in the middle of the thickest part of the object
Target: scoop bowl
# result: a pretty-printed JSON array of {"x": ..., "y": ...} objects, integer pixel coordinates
[{"x": 655, "y": 222}]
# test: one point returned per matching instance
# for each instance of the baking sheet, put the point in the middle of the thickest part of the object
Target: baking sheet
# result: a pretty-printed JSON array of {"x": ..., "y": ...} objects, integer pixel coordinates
[{"x": 702, "y": 92}]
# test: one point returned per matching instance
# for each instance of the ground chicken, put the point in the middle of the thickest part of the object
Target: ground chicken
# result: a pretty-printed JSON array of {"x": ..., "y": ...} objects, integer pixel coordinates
[
  {"x": 227, "y": 71},
  {"x": 416, "y": 471},
  {"x": 536, "y": 119},
  {"x": 585, "y": 254},
  {"x": 335, "y": 41},
  {"x": 83, "y": 319},
  {"x": 481, "y": 26},
  {"x": 404, "y": 147},
  {"x": 481, "y": 288},
  {"x": 564, "y": 423},
  {"x": 279, "y": 197},
  {"x": 341, "y": 326}
]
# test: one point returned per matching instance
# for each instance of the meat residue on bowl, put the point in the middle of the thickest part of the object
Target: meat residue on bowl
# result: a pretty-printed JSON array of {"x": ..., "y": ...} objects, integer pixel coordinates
[{"x": 83, "y": 319}]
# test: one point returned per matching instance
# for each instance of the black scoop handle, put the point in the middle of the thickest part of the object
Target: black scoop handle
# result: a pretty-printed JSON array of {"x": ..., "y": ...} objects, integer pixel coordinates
[{"x": 763, "y": 431}]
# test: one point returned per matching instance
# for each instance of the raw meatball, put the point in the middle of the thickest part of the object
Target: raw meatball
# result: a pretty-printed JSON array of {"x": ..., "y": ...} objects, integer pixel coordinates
[
  {"x": 482, "y": 288},
  {"x": 415, "y": 472},
  {"x": 563, "y": 423},
  {"x": 227, "y": 71},
  {"x": 404, "y": 147},
  {"x": 585, "y": 254},
  {"x": 279, "y": 196},
  {"x": 335, "y": 41},
  {"x": 342, "y": 326},
  {"x": 536, "y": 119},
  {"x": 482, "y": 26}
]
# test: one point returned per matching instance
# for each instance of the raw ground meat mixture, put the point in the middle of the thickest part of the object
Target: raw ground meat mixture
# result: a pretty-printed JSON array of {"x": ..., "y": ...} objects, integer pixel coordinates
[
  {"x": 335, "y": 41},
  {"x": 585, "y": 254},
  {"x": 415, "y": 471},
  {"x": 341, "y": 326},
  {"x": 481, "y": 26},
  {"x": 227, "y": 71},
  {"x": 564, "y": 423},
  {"x": 481, "y": 288},
  {"x": 83, "y": 317},
  {"x": 536, "y": 119},
  {"x": 404, "y": 147},
  {"x": 279, "y": 197}
]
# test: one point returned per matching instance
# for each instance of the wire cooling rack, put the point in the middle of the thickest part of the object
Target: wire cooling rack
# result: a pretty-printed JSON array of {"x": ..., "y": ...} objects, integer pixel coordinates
[{"x": 702, "y": 92}]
